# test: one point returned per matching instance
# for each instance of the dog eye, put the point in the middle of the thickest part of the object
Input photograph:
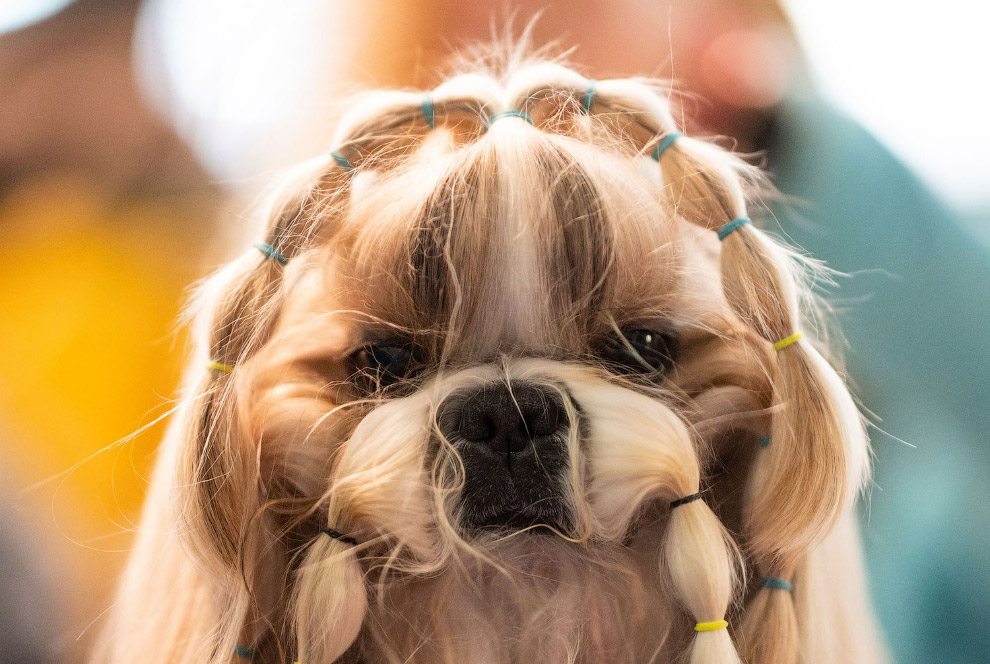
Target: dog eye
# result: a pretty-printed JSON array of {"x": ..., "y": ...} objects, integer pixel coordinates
[
  {"x": 640, "y": 350},
  {"x": 381, "y": 365}
]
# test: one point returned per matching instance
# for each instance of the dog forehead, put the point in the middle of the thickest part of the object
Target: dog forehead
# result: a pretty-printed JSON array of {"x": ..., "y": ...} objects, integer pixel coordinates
[{"x": 510, "y": 247}]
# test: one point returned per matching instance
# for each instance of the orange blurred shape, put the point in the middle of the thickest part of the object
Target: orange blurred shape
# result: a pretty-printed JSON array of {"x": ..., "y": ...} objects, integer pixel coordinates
[{"x": 89, "y": 290}]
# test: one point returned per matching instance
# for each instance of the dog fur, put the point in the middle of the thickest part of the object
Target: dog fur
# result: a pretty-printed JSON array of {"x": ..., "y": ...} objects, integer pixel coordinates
[{"x": 506, "y": 253}]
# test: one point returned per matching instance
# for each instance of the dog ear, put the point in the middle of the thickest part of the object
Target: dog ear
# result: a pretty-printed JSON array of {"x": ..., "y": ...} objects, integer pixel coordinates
[
  {"x": 216, "y": 486},
  {"x": 216, "y": 495},
  {"x": 819, "y": 456}
]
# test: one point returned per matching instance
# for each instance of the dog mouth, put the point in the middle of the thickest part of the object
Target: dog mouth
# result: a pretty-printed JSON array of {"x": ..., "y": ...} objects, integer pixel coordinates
[
  {"x": 529, "y": 494},
  {"x": 545, "y": 516}
]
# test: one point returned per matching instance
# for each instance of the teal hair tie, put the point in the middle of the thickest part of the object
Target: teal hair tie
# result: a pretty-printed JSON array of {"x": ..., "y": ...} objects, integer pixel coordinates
[
  {"x": 243, "y": 652},
  {"x": 589, "y": 96},
  {"x": 665, "y": 144},
  {"x": 775, "y": 583},
  {"x": 427, "y": 108},
  {"x": 508, "y": 114},
  {"x": 726, "y": 230},
  {"x": 341, "y": 160},
  {"x": 764, "y": 441},
  {"x": 271, "y": 252}
]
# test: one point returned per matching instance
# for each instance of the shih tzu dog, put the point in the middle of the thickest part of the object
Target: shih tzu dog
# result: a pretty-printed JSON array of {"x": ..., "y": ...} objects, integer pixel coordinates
[{"x": 510, "y": 377}]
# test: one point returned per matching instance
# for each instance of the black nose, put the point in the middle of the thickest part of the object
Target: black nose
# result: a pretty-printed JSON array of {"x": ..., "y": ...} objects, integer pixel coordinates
[
  {"x": 512, "y": 440},
  {"x": 508, "y": 420}
]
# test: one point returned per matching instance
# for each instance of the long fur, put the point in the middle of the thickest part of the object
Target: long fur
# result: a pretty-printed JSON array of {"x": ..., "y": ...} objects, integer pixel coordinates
[{"x": 506, "y": 252}]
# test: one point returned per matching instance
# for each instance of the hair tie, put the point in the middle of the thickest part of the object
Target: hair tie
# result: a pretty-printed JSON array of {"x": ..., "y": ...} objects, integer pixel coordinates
[
  {"x": 711, "y": 626},
  {"x": 764, "y": 441},
  {"x": 427, "y": 108},
  {"x": 508, "y": 114},
  {"x": 665, "y": 144},
  {"x": 726, "y": 230},
  {"x": 219, "y": 366},
  {"x": 271, "y": 252},
  {"x": 787, "y": 341},
  {"x": 685, "y": 500},
  {"x": 243, "y": 652},
  {"x": 337, "y": 535},
  {"x": 775, "y": 583},
  {"x": 341, "y": 160},
  {"x": 589, "y": 96}
]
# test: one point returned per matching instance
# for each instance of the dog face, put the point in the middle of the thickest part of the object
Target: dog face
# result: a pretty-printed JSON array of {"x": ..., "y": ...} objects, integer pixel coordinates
[
  {"x": 517, "y": 354},
  {"x": 476, "y": 313},
  {"x": 493, "y": 361}
]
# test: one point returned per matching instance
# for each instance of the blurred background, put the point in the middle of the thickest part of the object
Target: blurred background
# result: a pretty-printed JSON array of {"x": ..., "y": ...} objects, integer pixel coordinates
[{"x": 132, "y": 133}]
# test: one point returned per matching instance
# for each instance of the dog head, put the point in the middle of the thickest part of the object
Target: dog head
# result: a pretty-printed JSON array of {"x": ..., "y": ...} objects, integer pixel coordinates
[{"x": 489, "y": 354}]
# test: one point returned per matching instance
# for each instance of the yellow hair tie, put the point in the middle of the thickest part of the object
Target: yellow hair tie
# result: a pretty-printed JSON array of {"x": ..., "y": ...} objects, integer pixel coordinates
[
  {"x": 712, "y": 626},
  {"x": 220, "y": 366},
  {"x": 787, "y": 341}
]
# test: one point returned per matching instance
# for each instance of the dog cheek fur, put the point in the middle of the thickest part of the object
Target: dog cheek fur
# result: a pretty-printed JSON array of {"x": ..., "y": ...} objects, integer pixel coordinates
[{"x": 504, "y": 595}]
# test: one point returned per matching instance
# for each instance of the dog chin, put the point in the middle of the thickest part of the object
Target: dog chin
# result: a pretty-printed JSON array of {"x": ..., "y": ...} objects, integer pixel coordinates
[{"x": 546, "y": 518}]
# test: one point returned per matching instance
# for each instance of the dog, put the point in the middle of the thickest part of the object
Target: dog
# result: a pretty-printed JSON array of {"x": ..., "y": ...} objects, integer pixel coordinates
[{"x": 510, "y": 376}]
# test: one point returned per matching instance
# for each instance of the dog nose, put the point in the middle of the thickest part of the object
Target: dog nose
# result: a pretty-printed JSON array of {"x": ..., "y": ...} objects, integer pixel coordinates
[
  {"x": 506, "y": 420},
  {"x": 512, "y": 442}
]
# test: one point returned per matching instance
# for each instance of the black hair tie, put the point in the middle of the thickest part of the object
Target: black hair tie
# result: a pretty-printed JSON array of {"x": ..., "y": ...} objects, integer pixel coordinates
[
  {"x": 685, "y": 500},
  {"x": 339, "y": 536}
]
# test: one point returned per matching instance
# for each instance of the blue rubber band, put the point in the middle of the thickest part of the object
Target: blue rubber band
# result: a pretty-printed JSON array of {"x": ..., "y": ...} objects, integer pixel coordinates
[
  {"x": 271, "y": 252},
  {"x": 726, "y": 230},
  {"x": 589, "y": 96},
  {"x": 665, "y": 144},
  {"x": 244, "y": 652},
  {"x": 427, "y": 108},
  {"x": 508, "y": 114},
  {"x": 341, "y": 160},
  {"x": 775, "y": 583},
  {"x": 764, "y": 441}
]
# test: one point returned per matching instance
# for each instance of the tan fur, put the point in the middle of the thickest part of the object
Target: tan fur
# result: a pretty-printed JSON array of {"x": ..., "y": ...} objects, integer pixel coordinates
[{"x": 507, "y": 253}]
